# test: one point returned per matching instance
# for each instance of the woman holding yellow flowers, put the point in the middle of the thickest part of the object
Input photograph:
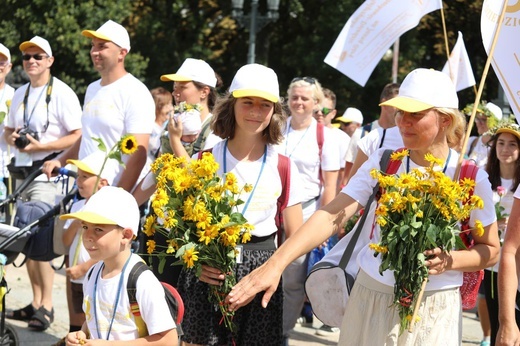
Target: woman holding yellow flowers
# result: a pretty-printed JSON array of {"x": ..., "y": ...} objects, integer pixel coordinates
[
  {"x": 428, "y": 120},
  {"x": 250, "y": 120}
]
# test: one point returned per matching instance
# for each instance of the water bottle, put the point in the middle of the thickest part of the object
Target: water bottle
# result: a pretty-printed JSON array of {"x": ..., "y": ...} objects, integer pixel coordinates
[{"x": 3, "y": 195}]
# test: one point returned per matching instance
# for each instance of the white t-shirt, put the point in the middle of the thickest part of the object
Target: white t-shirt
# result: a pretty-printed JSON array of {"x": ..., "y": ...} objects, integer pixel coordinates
[
  {"x": 301, "y": 146},
  {"x": 77, "y": 246},
  {"x": 343, "y": 142},
  {"x": 505, "y": 201},
  {"x": 372, "y": 141},
  {"x": 350, "y": 156},
  {"x": 6, "y": 94},
  {"x": 480, "y": 152},
  {"x": 150, "y": 298},
  {"x": 261, "y": 211},
  {"x": 360, "y": 188},
  {"x": 64, "y": 114},
  {"x": 111, "y": 111}
]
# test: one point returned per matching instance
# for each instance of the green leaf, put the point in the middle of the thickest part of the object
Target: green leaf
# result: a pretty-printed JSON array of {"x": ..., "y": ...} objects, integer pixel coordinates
[
  {"x": 2, "y": 116},
  {"x": 101, "y": 144}
]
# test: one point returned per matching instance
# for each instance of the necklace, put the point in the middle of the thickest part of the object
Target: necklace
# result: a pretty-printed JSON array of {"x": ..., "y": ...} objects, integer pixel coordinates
[
  {"x": 257, "y": 179},
  {"x": 297, "y": 144},
  {"x": 94, "y": 299},
  {"x": 443, "y": 170}
]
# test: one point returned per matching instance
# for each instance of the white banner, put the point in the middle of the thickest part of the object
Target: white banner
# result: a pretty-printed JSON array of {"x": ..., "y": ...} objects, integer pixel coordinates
[
  {"x": 458, "y": 67},
  {"x": 506, "y": 58},
  {"x": 371, "y": 30}
]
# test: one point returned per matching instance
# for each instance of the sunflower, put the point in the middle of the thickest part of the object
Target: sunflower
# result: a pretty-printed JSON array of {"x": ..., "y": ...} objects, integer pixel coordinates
[{"x": 128, "y": 144}]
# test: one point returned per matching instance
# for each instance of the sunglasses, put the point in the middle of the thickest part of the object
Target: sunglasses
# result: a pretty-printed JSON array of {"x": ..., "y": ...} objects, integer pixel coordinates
[
  {"x": 28, "y": 57},
  {"x": 325, "y": 111},
  {"x": 309, "y": 80}
]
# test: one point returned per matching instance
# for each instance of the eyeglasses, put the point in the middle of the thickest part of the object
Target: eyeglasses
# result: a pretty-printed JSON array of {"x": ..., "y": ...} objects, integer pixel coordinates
[
  {"x": 309, "y": 80},
  {"x": 325, "y": 111},
  {"x": 481, "y": 120},
  {"x": 4, "y": 63},
  {"x": 28, "y": 57}
]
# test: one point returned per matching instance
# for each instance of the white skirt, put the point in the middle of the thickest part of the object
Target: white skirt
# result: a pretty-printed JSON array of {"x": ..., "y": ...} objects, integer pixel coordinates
[{"x": 371, "y": 318}]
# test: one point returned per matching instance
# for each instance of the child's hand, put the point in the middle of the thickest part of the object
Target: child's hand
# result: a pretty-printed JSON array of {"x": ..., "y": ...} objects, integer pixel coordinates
[
  {"x": 174, "y": 127},
  {"x": 76, "y": 338},
  {"x": 75, "y": 272}
]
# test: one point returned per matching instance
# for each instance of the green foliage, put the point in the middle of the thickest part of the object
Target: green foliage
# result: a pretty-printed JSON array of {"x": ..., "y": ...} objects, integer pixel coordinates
[{"x": 165, "y": 32}]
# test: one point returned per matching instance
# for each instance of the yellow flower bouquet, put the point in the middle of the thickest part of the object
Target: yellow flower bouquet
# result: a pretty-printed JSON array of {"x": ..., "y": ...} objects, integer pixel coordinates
[
  {"x": 196, "y": 210},
  {"x": 418, "y": 211}
]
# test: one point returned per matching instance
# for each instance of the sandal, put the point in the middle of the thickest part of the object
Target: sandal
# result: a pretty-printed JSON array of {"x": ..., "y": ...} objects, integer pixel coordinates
[
  {"x": 23, "y": 314},
  {"x": 41, "y": 319}
]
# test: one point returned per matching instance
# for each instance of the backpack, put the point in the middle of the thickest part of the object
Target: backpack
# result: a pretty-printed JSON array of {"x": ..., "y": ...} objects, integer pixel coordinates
[
  {"x": 284, "y": 170},
  {"x": 38, "y": 216},
  {"x": 471, "y": 280},
  {"x": 173, "y": 299}
]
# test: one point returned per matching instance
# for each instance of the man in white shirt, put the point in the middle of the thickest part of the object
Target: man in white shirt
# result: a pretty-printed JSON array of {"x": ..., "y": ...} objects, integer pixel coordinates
[
  {"x": 44, "y": 119},
  {"x": 115, "y": 105}
]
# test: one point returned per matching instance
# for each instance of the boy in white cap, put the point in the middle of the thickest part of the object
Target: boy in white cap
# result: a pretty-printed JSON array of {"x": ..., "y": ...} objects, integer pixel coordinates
[
  {"x": 91, "y": 177},
  {"x": 115, "y": 105},
  {"x": 6, "y": 94},
  {"x": 44, "y": 119},
  {"x": 110, "y": 221}
]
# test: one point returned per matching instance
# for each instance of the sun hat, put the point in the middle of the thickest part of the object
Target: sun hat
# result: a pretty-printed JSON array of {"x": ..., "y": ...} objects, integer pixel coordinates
[
  {"x": 424, "y": 89},
  {"x": 495, "y": 110},
  {"x": 5, "y": 52},
  {"x": 193, "y": 70},
  {"x": 255, "y": 80},
  {"x": 111, "y": 31},
  {"x": 39, "y": 42},
  {"x": 351, "y": 115},
  {"x": 94, "y": 162},
  {"x": 511, "y": 128},
  {"x": 191, "y": 123},
  {"x": 109, "y": 206}
]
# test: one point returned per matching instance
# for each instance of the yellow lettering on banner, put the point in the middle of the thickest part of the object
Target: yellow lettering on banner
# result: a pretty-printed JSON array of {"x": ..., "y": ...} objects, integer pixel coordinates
[
  {"x": 511, "y": 21},
  {"x": 513, "y": 8}
]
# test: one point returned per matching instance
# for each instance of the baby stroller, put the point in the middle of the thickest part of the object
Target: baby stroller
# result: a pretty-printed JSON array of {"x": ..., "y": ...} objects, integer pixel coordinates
[{"x": 14, "y": 240}]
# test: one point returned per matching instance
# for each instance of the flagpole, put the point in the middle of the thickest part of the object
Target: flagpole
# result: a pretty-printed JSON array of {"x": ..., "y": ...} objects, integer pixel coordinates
[
  {"x": 446, "y": 42},
  {"x": 481, "y": 88}
]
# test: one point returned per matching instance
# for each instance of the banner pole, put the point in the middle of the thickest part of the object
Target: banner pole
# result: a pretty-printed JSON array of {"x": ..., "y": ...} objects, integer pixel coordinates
[
  {"x": 446, "y": 41},
  {"x": 481, "y": 88}
]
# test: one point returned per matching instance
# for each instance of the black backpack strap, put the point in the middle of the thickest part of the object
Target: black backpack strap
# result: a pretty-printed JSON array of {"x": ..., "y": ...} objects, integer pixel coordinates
[
  {"x": 382, "y": 139},
  {"x": 131, "y": 285}
]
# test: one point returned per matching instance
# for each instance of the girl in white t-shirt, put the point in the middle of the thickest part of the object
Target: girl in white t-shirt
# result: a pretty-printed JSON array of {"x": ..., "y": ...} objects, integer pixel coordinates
[
  {"x": 503, "y": 167},
  {"x": 250, "y": 119}
]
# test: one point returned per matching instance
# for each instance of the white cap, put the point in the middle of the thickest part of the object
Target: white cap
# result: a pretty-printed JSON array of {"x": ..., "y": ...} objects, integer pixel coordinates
[
  {"x": 193, "y": 70},
  {"x": 5, "y": 52},
  {"x": 351, "y": 115},
  {"x": 493, "y": 108},
  {"x": 92, "y": 164},
  {"x": 424, "y": 89},
  {"x": 255, "y": 80},
  {"x": 111, "y": 31},
  {"x": 39, "y": 42},
  {"x": 109, "y": 206},
  {"x": 191, "y": 123}
]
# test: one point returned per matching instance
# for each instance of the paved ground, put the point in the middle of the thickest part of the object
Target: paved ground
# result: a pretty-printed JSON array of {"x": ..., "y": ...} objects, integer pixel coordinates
[{"x": 20, "y": 295}]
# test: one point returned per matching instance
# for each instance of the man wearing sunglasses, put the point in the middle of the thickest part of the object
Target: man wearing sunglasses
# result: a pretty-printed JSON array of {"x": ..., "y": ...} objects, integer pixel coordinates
[
  {"x": 44, "y": 119},
  {"x": 6, "y": 94},
  {"x": 324, "y": 114}
]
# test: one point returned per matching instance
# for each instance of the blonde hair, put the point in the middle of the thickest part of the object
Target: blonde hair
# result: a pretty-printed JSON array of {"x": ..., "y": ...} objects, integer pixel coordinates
[
  {"x": 308, "y": 82},
  {"x": 457, "y": 129}
]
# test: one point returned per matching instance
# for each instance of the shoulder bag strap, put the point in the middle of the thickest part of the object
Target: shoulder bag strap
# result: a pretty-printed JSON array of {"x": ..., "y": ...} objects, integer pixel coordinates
[{"x": 352, "y": 244}]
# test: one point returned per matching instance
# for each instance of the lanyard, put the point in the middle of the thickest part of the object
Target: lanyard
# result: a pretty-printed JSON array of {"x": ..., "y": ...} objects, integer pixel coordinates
[
  {"x": 443, "y": 171},
  {"x": 26, "y": 120},
  {"x": 297, "y": 144},
  {"x": 257, "y": 179},
  {"x": 119, "y": 288}
]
